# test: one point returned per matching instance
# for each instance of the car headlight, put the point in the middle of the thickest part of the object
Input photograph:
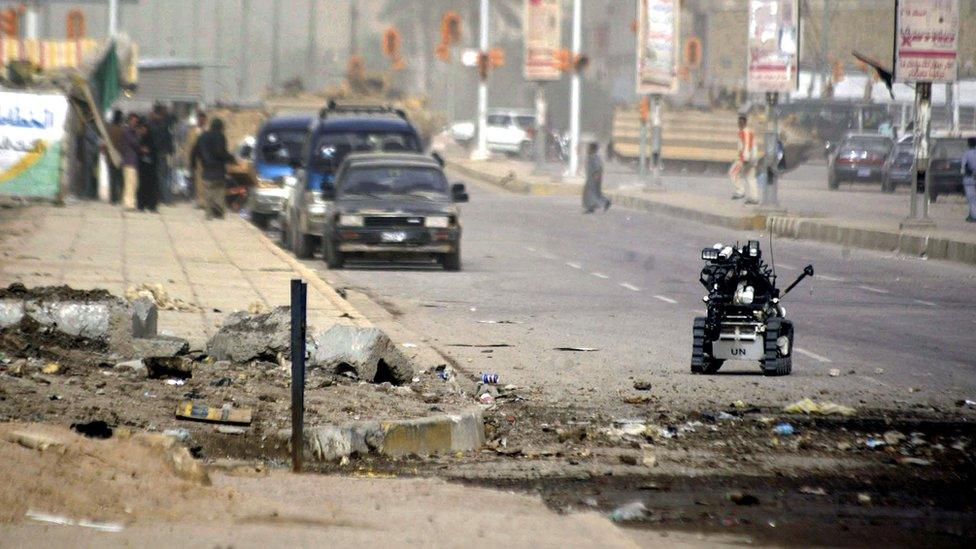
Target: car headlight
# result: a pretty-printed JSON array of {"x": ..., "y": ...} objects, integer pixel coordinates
[
  {"x": 437, "y": 222},
  {"x": 351, "y": 220}
]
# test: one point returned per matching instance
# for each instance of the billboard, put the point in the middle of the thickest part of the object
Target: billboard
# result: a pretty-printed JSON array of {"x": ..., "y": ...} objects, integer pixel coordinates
[
  {"x": 657, "y": 46},
  {"x": 542, "y": 28},
  {"x": 774, "y": 46},
  {"x": 32, "y": 129},
  {"x": 926, "y": 40}
]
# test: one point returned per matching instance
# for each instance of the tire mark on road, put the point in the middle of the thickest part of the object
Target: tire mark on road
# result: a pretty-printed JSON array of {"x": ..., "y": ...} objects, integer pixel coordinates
[
  {"x": 813, "y": 355},
  {"x": 665, "y": 299},
  {"x": 629, "y": 286}
]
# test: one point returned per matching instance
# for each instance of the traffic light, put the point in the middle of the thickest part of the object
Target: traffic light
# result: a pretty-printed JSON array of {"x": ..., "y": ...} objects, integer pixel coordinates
[
  {"x": 483, "y": 63},
  {"x": 75, "y": 25},
  {"x": 391, "y": 43},
  {"x": 450, "y": 28},
  {"x": 10, "y": 23},
  {"x": 644, "y": 108},
  {"x": 496, "y": 58},
  {"x": 563, "y": 60}
]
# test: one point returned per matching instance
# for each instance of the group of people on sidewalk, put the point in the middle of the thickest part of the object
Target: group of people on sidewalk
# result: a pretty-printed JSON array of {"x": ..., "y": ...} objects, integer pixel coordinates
[{"x": 144, "y": 178}]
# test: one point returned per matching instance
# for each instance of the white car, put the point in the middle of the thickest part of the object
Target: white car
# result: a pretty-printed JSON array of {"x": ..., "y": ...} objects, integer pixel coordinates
[{"x": 509, "y": 131}]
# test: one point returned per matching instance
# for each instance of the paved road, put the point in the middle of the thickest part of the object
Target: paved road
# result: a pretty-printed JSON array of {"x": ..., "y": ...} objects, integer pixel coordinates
[{"x": 540, "y": 275}]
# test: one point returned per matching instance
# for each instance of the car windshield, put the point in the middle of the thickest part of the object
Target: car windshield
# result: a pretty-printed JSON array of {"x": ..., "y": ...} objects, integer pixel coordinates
[
  {"x": 866, "y": 146},
  {"x": 398, "y": 180},
  {"x": 524, "y": 121},
  {"x": 331, "y": 148},
  {"x": 949, "y": 148},
  {"x": 280, "y": 146}
]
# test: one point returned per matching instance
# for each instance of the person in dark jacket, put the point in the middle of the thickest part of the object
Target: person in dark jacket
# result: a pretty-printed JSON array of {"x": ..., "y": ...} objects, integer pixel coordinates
[
  {"x": 162, "y": 139},
  {"x": 148, "y": 196},
  {"x": 116, "y": 132},
  {"x": 593, "y": 189},
  {"x": 130, "y": 162},
  {"x": 211, "y": 152}
]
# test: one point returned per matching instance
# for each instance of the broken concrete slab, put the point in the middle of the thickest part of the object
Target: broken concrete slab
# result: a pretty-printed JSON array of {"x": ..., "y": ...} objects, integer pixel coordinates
[
  {"x": 165, "y": 367},
  {"x": 366, "y": 353},
  {"x": 245, "y": 337},
  {"x": 145, "y": 317},
  {"x": 160, "y": 346}
]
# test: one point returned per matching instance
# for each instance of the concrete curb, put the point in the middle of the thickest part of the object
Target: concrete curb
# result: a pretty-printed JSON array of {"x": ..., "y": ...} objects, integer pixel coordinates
[
  {"x": 311, "y": 277},
  {"x": 823, "y": 230},
  {"x": 907, "y": 242},
  {"x": 438, "y": 434}
]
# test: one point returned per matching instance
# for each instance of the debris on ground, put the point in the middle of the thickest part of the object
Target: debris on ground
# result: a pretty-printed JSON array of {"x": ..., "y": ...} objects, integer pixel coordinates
[
  {"x": 783, "y": 430},
  {"x": 224, "y": 414},
  {"x": 93, "y": 429},
  {"x": 809, "y": 407},
  {"x": 158, "y": 367},
  {"x": 160, "y": 297},
  {"x": 577, "y": 349},
  {"x": 635, "y": 510},
  {"x": 65, "y": 521},
  {"x": 642, "y": 385},
  {"x": 34, "y": 441},
  {"x": 244, "y": 337},
  {"x": 742, "y": 498},
  {"x": 366, "y": 353}
]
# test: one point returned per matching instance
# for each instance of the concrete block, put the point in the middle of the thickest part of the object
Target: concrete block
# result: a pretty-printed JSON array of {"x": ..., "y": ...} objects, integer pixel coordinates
[
  {"x": 145, "y": 317},
  {"x": 365, "y": 352},
  {"x": 245, "y": 337},
  {"x": 11, "y": 312},
  {"x": 159, "y": 346}
]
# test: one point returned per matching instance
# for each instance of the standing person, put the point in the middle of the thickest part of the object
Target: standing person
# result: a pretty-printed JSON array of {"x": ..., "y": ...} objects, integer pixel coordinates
[
  {"x": 744, "y": 167},
  {"x": 116, "y": 134},
  {"x": 130, "y": 162},
  {"x": 193, "y": 160},
  {"x": 593, "y": 189},
  {"x": 148, "y": 196},
  {"x": 969, "y": 178},
  {"x": 211, "y": 150},
  {"x": 163, "y": 148},
  {"x": 87, "y": 153}
]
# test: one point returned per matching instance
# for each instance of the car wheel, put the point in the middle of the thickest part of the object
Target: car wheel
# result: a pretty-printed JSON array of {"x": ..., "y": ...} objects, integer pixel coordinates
[
  {"x": 284, "y": 233},
  {"x": 334, "y": 259},
  {"x": 451, "y": 261},
  {"x": 301, "y": 244},
  {"x": 832, "y": 182}
]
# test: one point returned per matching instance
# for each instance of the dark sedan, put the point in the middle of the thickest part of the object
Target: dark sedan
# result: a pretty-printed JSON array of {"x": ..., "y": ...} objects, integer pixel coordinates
[
  {"x": 945, "y": 166},
  {"x": 859, "y": 159},
  {"x": 899, "y": 167}
]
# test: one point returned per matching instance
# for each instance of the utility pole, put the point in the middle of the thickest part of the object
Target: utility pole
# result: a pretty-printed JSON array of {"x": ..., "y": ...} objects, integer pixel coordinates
[
  {"x": 825, "y": 65},
  {"x": 481, "y": 151},
  {"x": 30, "y": 21},
  {"x": 923, "y": 129},
  {"x": 310, "y": 70},
  {"x": 540, "y": 127},
  {"x": 770, "y": 200},
  {"x": 656, "y": 138},
  {"x": 954, "y": 87},
  {"x": 113, "y": 18},
  {"x": 275, "y": 37},
  {"x": 353, "y": 28},
  {"x": 574, "y": 99}
]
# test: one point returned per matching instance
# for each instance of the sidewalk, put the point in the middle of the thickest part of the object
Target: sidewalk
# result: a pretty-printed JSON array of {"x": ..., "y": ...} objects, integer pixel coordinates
[
  {"x": 858, "y": 216},
  {"x": 216, "y": 267}
]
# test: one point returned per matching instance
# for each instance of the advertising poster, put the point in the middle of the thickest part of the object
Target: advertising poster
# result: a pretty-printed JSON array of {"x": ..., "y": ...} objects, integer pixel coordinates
[
  {"x": 774, "y": 46},
  {"x": 926, "y": 40},
  {"x": 32, "y": 128},
  {"x": 657, "y": 46},
  {"x": 542, "y": 39}
]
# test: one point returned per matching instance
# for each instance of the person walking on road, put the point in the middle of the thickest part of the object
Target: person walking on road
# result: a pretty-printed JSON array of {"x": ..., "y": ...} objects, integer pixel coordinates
[
  {"x": 211, "y": 151},
  {"x": 130, "y": 162},
  {"x": 193, "y": 134},
  {"x": 969, "y": 177},
  {"x": 743, "y": 170},
  {"x": 593, "y": 189},
  {"x": 116, "y": 134},
  {"x": 148, "y": 196}
]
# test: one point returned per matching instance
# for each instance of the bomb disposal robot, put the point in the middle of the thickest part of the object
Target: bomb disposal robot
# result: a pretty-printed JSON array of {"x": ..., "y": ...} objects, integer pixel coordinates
[{"x": 745, "y": 320}]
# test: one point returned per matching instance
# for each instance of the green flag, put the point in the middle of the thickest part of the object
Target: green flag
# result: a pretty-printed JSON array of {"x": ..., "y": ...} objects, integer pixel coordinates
[{"x": 105, "y": 81}]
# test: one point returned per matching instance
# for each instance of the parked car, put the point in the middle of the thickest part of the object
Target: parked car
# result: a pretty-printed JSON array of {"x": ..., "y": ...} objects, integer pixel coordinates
[
  {"x": 945, "y": 165},
  {"x": 860, "y": 158},
  {"x": 511, "y": 131},
  {"x": 393, "y": 205},
  {"x": 339, "y": 131},
  {"x": 899, "y": 167},
  {"x": 276, "y": 148}
]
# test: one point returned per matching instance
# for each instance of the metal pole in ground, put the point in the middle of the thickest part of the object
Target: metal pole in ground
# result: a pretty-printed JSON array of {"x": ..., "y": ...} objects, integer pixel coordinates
[
  {"x": 574, "y": 98},
  {"x": 769, "y": 194},
  {"x": 923, "y": 126},
  {"x": 656, "y": 138},
  {"x": 642, "y": 145},
  {"x": 113, "y": 18},
  {"x": 541, "y": 135},
  {"x": 299, "y": 292},
  {"x": 481, "y": 150}
]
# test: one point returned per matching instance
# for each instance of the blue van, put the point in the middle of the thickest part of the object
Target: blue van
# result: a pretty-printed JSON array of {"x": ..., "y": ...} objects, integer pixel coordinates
[
  {"x": 276, "y": 149},
  {"x": 339, "y": 131}
]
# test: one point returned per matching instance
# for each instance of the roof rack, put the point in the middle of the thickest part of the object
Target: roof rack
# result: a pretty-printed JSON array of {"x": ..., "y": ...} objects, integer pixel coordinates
[{"x": 334, "y": 108}]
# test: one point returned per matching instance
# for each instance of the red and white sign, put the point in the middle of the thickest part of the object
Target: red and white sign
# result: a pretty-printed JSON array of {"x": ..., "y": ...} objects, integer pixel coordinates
[
  {"x": 542, "y": 29},
  {"x": 774, "y": 45},
  {"x": 657, "y": 46},
  {"x": 926, "y": 40}
]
